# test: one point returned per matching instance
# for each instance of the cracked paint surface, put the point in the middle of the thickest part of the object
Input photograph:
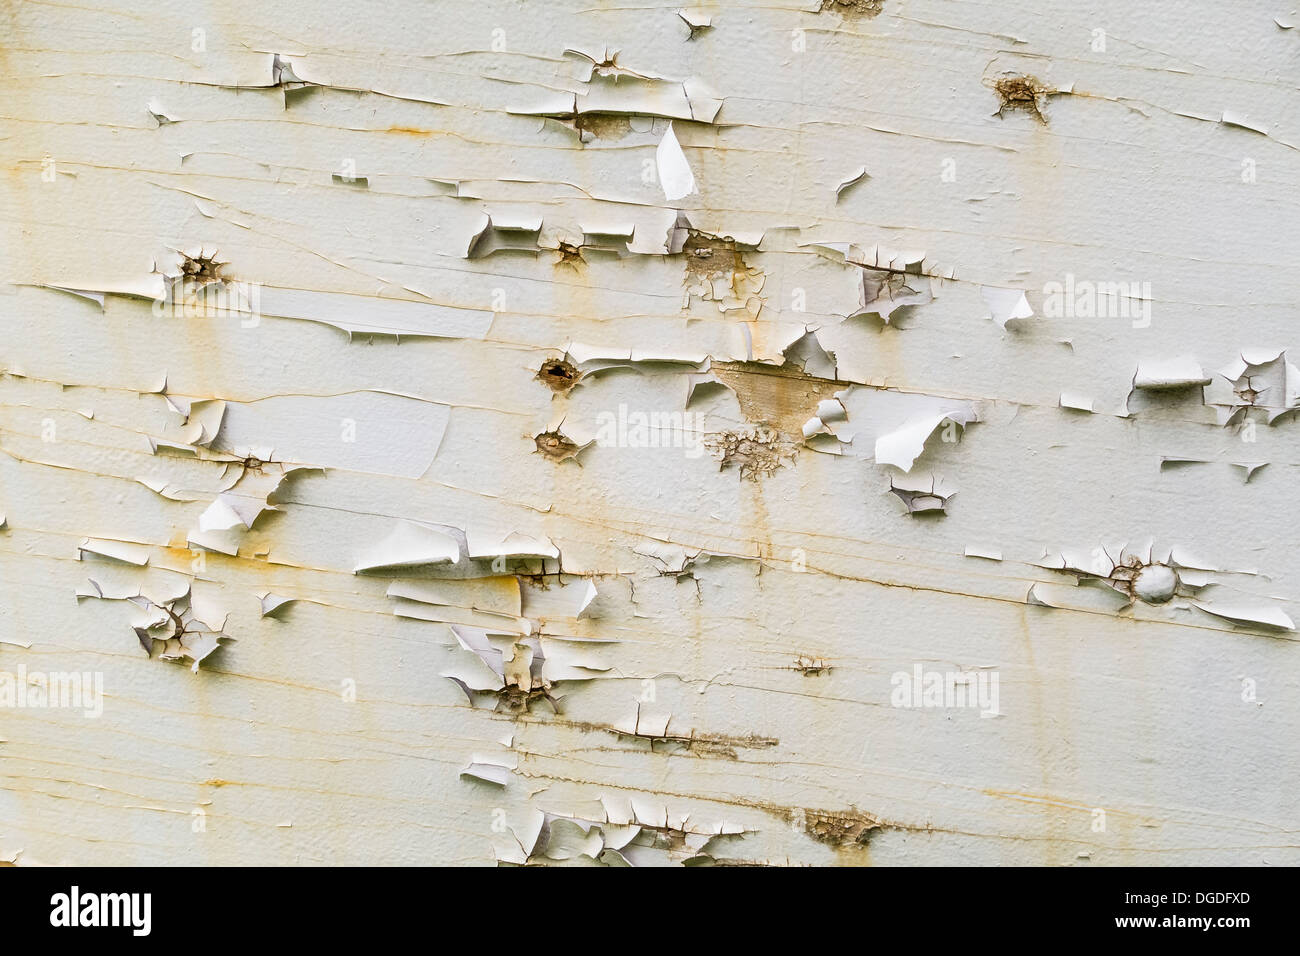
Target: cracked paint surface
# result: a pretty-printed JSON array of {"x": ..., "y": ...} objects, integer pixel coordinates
[{"x": 824, "y": 433}]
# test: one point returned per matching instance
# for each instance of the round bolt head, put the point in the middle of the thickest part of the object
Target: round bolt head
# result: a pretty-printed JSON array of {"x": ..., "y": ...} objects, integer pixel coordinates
[{"x": 1155, "y": 584}]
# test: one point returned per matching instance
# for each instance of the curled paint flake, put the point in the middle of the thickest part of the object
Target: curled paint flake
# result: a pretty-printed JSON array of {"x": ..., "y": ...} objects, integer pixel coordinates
[
  {"x": 181, "y": 628},
  {"x": 675, "y": 176},
  {"x": 923, "y": 500}
]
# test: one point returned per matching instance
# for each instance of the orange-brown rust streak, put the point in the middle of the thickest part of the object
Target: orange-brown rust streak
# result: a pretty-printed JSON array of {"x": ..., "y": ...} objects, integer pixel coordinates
[{"x": 781, "y": 397}]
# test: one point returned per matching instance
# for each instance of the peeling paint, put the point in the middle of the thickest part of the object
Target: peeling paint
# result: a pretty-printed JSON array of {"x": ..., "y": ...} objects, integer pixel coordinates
[{"x": 549, "y": 434}]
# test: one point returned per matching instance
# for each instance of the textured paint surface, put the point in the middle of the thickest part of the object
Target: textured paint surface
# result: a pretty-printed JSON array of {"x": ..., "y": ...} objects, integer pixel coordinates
[{"x": 584, "y": 433}]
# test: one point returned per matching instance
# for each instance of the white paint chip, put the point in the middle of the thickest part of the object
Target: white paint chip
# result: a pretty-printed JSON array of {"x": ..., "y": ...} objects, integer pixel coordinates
[{"x": 675, "y": 176}]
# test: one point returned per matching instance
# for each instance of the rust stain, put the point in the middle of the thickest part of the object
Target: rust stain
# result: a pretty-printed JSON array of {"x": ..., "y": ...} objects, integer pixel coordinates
[{"x": 779, "y": 396}]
